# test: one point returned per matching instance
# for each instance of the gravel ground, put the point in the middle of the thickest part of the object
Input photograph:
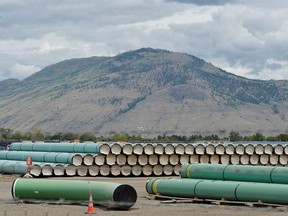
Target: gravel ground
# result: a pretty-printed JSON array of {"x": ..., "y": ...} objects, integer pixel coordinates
[{"x": 143, "y": 206}]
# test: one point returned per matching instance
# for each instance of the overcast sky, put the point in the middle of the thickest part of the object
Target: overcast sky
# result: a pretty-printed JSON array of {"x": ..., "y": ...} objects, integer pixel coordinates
[{"x": 245, "y": 37}]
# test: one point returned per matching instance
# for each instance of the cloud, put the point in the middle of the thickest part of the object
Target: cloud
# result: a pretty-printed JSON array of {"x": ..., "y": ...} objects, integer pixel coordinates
[
  {"x": 23, "y": 71},
  {"x": 241, "y": 36}
]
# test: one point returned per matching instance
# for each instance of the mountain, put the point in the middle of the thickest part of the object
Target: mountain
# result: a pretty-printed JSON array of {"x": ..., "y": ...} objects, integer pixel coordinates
[{"x": 161, "y": 91}]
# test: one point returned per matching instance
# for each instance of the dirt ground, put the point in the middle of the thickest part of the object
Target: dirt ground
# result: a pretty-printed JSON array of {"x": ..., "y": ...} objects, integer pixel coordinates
[{"x": 143, "y": 206}]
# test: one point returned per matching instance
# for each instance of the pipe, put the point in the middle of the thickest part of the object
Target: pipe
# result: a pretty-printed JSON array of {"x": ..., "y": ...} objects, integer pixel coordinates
[
  {"x": 268, "y": 149},
  {"x": 93, "y": 170},
  {"x": 148, "y": 149},
  {"x": 116, "y": 148},
  {"x": 18, "y": 167},
  {"x": 164, "y": 159},
  {"x": 153, "y": 159},
  {"x": 265, "y": 174},
  {"x": 168, "y": 170},
  {"x": 278, "y": 149},
  {"x": 158, "y": 170},
  {"x": 82, "y": 170},
  {"x": 147, "y": 170},
  {"x": 235, "y": 159},
  {"x": 254, "y": 159},
  {"x": 210, "y": 149},
  {"x": 199, "y": 149},
  {"x": 121, "y": 159},
  {"x": 240, "y": 149},
  {"x": 169, "y": 149},
  {"x": 47, "y": 170},
  {"x": 122, "y": 196},
  {"x": 184, "y": 159},
  {"x": 220, "y": 149},
  {"x": 273, "y": 159},
  {"x": 127, "y": 149},
  {"x": 177, "y": 169},
  {"x": 99, "y": 159},
  {"x": 179, "y": 149},
  {"x": 264, "y": 159},
  {"x": 194, "y": 158},
  {"x": 115, "y": 170},
  {"x": 104, "y": 170},
  {"x": 111, "y": 159},
  {"x": 283, "y": 159},
  {"x": 70, "y": 169},
  {"x": 126, "y": 170},
  {"x": 204, "y": 159},
  {"x": 143, "y": 159},
  {"x": 136, "y": 170},
  {"x": 244, "y": 159},
  {"x": 132, "y": 159},
  {"x": 174, "y": 159},
  {"x": 212, "y": 189},
  {"x": 259, "y": 149},
  {"x": 138, "y": 149},
  {"x": 189, "y": 149},
  {"x": 214, "y": 159},
  {"x": 229, "y": 149},
  {"x": 159, "y": 149},
  {"x": 59, "y": 170},
  {"x": 88, "y": 159},
  {"x": 249, "y": 149},
  {"x": 225, "y": 159}
]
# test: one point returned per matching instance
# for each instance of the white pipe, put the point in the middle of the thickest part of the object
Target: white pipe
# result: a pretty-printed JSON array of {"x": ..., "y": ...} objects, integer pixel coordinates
[
  {"x": 225, "y": 159},
  {"x": 254, "y": 159},
  {"x": 121, "y": 159},
  {"x": 59, "y": 170},
  {"x": 168, "y": 170},
  {"x": 229, "y": 149},
  {"x": 104, "y": 170},
  {"x": 200, "y": 149},
  {"x": 189, "y": 149},
  {"x": 104, "y": 148},
  {"x": 115, "y": 170},
  {"x": 143, "y": 159},
  {"x": 164, "y": 159},
  {"x": 159, "y": 149},
  {"x": 278, "y": 149},
  {"x": 116, "y": 148},
  {"x": 88, "y": 159},
  {"x": 93, "y": 170},
  {"x": 77, "y": 160},
  {"x": 169, "y": 149},
  {"x": 194, "y": 159},
  {"x": 147, "y": 170},
  {"x": 35, "y": 170},
  {"x": 127, "y": 149},
  {"x": 268, "y": 149},
  {"x": 179, "y": 149},
  {"x": 244, "y": 159},
  {"x": 126, "y": 170},
  {"x": 82, "y": 170},
  {"x": 174, "y": 159},
  {"x": 70, "y": 170},
  {"x": 283, "y": 159},
  {"x": 148, "y": 149},
  {"x": 111, "y": 159},
  {"x": 204, "y": 159},
  {"x": 214, "y": 159},
  {"x": 177, "y": 169},
  {"x": 240, "y": 149},
  {"x": 132, "y": 159},
  {"x": 264, "y": 159},
  {"x": 153, "y": 159},
  {"x": 99, "y": 159},
  {"x": 138, "y": 149},
  {"x": 47, "y": 170},
  {"x": 158, "y": 170},
  {"x": 220, "y": 149},
  {"x": 249, "y": 149},
  {"x": 184, "y": 159},
  {"x": 136, "y": 170},
  {"x": 210, "y": 149},
  {"x": 259, "y": 149},
  {"x": 235, "y": 159},
  {"x": 274, "y": 159}
]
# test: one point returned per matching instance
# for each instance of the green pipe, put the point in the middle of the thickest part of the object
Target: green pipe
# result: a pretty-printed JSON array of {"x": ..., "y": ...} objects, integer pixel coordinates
[
  {"x": 265, "y": 174},
  {"x": 216, "y": 189},
  {"x": 51, "y": 157},
  {"x": 16, "y": 167},
  {"x": 122, "y": 196},
  {"x": 57, "y": 147}
]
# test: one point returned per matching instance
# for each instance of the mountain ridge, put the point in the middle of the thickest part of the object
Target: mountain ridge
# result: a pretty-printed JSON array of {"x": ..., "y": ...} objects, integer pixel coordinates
[{"x": 160, "y": 90}]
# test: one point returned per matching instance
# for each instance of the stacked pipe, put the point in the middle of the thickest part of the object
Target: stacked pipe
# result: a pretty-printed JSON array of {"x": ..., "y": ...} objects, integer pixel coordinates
[
  {"x": 135, "y": 159},
  {"x": 229, "y": 182}
]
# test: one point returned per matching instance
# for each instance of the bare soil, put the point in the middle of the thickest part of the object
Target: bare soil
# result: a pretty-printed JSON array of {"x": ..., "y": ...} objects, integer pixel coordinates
[{"x": 143, "y": 206}]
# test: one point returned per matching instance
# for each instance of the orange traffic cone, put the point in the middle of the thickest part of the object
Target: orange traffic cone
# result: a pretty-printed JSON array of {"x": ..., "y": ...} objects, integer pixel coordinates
[{"x": 90, "y": 206}]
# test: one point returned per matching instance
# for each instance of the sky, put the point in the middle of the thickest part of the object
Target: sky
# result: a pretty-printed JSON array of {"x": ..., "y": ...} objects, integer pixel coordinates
[{"x": 248, "y": 38}]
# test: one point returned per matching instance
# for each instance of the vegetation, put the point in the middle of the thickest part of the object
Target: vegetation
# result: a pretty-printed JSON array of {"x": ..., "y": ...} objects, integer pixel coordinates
[{"x": 36, "y": 134}]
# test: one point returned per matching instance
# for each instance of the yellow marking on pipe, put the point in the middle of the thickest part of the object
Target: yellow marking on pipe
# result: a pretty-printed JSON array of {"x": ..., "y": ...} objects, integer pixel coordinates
[
  {"x": 154, "y": 187},
  {"x": 187, "y": 171}
]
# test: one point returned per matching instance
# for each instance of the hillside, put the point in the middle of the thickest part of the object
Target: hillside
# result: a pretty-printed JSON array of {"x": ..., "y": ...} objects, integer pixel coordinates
[{"x": 161, "y": 91}]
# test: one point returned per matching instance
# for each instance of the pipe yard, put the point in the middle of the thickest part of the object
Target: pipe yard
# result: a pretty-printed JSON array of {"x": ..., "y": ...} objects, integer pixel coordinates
[{"x": 144, "y": 178}]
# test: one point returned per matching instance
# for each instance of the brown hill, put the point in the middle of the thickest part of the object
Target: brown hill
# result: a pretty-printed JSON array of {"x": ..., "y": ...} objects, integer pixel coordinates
[{"x": 161, "y": 91}]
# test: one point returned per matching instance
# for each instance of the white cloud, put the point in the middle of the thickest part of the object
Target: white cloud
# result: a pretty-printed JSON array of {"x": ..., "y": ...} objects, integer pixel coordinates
[
  {"x": 22, "y": 71},
  {"x": 242, "y": 36}
]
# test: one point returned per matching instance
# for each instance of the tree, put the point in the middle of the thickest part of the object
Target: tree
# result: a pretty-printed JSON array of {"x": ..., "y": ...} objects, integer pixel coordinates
[
  {"x": 258, "y": 137},
  {"x": 234, "y": 136},
  {"x": 36, "y": 134}
]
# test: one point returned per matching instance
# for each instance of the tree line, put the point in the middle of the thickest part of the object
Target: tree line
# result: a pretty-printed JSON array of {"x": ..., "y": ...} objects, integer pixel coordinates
[{"x": 35, "y": 134}]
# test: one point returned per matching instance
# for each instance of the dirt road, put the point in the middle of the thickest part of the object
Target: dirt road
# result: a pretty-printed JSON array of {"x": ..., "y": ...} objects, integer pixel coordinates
[{"x": 143, "y": 206}]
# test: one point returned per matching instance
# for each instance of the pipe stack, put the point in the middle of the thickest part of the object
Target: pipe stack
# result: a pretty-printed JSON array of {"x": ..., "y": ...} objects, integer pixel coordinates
[{"x": 134, "y": 159}]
